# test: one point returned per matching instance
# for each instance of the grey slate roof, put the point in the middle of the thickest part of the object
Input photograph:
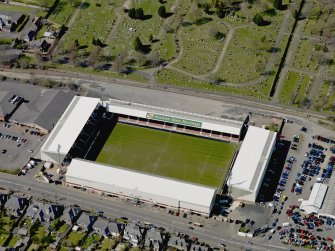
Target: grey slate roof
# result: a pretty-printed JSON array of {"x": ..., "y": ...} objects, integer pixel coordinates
[
  {"x": 16, "y": 205},
  {"x": 70, "y": 214},
  {"x": 86, "y": 221},
  {"x": 43, "y": 211},
  {"x": 108, "y": 228}
]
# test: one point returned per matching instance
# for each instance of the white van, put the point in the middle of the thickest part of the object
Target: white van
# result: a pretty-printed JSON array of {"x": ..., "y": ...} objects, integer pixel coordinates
[{"x": 286, "y": 224}]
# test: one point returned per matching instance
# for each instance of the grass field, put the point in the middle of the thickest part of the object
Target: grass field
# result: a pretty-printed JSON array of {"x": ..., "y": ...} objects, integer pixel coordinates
[{"x": 173, "y": 155}]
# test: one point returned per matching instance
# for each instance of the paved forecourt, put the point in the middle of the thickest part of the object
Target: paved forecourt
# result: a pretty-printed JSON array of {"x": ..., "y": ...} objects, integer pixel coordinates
[{"x": 178, "y": 156}]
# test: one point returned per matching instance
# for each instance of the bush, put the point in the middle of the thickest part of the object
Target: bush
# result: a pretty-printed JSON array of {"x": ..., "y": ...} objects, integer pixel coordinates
[
  {"x": 22, "y": 24},
  {"x": 258, "y": 19}
]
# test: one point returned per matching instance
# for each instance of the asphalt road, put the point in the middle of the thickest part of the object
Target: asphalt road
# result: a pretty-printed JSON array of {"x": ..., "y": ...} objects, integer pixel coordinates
[{"x": 213, "y": 232}]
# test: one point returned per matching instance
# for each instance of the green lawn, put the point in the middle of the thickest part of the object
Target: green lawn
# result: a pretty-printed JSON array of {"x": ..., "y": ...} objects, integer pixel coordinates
[
  {"x": 62, "y": 13},
  {"x": 15, "y": 8},
  {"x": 201, "y": 48},
  {"x": 171, "y": 77},
  {"x": 94, "y": 238},
  {"x": 43, "y": 3},
  {"x": 33, "y": 247},
  {"x": 73, "y": 239},
  {"x": 13, "y": 241},
  {"x": 95, "y": 20},
  {"x": 107, "y": 244},
  {"x": 3, "y": 238},
  {"x": 177, "y": 156}
]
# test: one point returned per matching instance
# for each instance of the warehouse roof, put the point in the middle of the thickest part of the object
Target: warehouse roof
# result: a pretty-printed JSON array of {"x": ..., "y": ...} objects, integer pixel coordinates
[
  {"x": 316, "y": 198},
  {"x": 40, "y": 107},
  {"x": 169, "y": 115},
  {"x": 252, "y": 158},
  {"x": 108, "y": 178},
  {"x": 70, "y": 124},
  {"x": 328, "y": 207}
]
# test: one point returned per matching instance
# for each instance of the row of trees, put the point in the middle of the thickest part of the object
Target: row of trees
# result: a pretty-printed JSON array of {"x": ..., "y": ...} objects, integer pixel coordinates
[{"x": 136, "y": 13}]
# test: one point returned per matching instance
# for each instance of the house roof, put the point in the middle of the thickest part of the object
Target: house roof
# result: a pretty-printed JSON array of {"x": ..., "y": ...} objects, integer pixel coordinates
[
  {"x": 70, "y": 213},
  {"x": 16, "y": 203},
  {"x": 43, "y": 211},
  {"x": 316, "y": 198},
  {"x": 85, "y": 219},
  {"x": 113, "y": 227}
]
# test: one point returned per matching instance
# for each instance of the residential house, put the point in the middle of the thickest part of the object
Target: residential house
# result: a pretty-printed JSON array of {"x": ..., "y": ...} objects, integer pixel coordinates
[
  {"x": 23, "y": 244},
  {"x": 15, "y": 205},
  {"x": 178, "y": 242},
  {"x": 50, "y": 35},
  {"x": 71, "y": 214},
  {"x": 134, "y": 234},
  {"x": 44, "y": 47},
  {"x": 85, "y": 221},
  {"x": 196, "y": 247},
  {"x": 45, "y": 212},
  {"x": 3, "y": 199},
  {"x": 155, "y": 239},
  {"x": 107, "y": 228},
  {"x": 9, "y": 20},
  {"x": 30, "y": 35}
]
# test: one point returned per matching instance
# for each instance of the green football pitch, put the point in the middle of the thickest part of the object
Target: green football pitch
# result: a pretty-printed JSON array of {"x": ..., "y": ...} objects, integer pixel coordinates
[{"x": 192, "y": 159}]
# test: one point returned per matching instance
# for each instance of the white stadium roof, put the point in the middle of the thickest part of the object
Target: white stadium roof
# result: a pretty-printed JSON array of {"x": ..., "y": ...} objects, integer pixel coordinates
[
  {"x": 134, "y": 184},
  {"x": 252, "y": 159},
  {"x": 316, "y": 198},
  {"x": 205, "y": 122},
  {"x": 70, "y": 125}
]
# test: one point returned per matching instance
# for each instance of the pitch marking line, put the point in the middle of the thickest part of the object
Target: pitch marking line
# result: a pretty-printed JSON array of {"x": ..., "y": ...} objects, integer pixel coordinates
[{"x": 162, "y": 152}]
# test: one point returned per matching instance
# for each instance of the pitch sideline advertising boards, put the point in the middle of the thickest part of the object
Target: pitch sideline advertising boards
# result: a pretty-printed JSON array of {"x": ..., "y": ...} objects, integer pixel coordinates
[{"x": 174, "y": 120}]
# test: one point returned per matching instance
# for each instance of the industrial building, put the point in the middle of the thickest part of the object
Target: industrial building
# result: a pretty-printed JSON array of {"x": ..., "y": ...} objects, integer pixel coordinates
[
  {"x": 321, "y": 200},
  {"x": 32, "y": 106},
  {"x": 251, "y": 163},
  {"x": 160, "y": 191}
]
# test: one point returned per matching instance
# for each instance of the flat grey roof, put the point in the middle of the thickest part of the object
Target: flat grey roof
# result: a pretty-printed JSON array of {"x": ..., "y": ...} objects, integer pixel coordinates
[
  {"x": 328, "y": 206},
  {"x": 42, "y": 107}
]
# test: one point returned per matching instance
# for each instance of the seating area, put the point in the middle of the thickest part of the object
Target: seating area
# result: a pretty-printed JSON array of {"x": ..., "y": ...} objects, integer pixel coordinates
[{"x": 177, "y": 128}]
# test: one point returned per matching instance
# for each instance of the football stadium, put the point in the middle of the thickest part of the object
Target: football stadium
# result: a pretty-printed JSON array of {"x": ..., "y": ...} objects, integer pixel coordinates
[{"x": 169, "y": 158}]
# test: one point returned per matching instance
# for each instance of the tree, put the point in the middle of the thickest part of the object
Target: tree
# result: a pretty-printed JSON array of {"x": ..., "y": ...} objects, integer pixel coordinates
[
  {"x": 74, "y": 3},
  {"x": 258, "y": 19},
  {"x": 45, "y": 3},
  {"x": 131, "y": 13},
  {"x": 119, "y": 61},
  {"x": 295, "y": 14},
  {"x": 154, "y": 58},
  {"x": 139, "y": 13},
  {"x": 162, "y": 11},
  {"x": 151, "y": 38},
  {"x": 278, "y": 4},
  {"x": 138, "y": 44}
]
